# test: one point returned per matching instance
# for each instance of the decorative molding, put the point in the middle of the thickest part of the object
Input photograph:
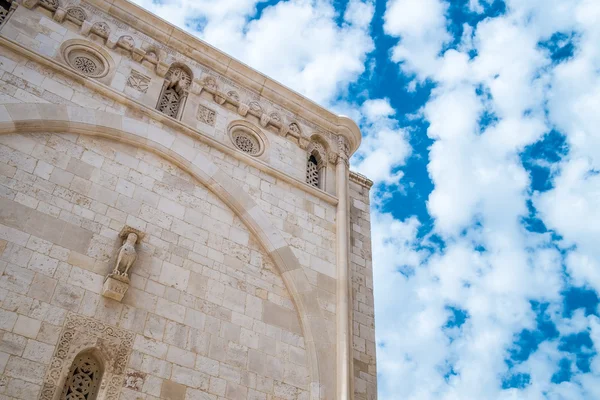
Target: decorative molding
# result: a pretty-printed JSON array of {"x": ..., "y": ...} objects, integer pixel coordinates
[
  {"x": 114, "y": 346},
  {"x": 361, "y": 180},
  {"x": 169, "y": 123}
]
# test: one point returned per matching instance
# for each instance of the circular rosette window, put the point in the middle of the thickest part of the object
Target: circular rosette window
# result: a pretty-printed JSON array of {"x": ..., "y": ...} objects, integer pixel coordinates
[
  {"x": 86, "y": 59},
  {"x": 247, "y": 138}
]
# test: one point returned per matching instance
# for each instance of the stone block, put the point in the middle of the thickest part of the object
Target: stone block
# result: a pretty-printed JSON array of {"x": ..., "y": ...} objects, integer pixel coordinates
[{"x": 115, "y": 287}]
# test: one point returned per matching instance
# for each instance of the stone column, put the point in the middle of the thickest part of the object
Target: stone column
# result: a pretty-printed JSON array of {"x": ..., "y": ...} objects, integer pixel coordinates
[{"x": 343, "y": 274}]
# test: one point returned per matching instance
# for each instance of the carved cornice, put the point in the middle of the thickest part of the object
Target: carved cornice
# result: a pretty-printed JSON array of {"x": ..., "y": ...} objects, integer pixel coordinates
[
  {"x": 173, "y": 38},
  {"x": 361, "y": 180}
]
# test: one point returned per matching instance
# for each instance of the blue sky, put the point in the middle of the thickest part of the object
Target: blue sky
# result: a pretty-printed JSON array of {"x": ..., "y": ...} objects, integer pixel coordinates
[{"x": 480, "y": 122}]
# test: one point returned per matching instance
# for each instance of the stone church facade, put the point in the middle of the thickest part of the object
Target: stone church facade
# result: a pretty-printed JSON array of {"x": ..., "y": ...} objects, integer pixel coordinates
[{"x": 173, "y": 224}]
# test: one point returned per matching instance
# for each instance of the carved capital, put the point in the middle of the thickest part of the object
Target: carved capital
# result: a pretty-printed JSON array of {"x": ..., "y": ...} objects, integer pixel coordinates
[
  {"x": 343, "y": 147},
  {"x": 243, "y": 109},
  {"x": 332, "y": 158},
  {"x": 162, "y": 68},
  {"x": 264, "y": 120}
]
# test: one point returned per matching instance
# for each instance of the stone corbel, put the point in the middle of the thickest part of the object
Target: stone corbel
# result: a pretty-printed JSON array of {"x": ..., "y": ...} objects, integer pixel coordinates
[
  {"x": 117, "y": 282},
  {"x": 303, "y": 142},
  {"x": 30, "y": 4},
  {"x": 264, "y": 120},
  {"x": 137, "y": 54},
  {"x": 59, "y": 15},
  {"x": 220, "y": 100},
  {"x": 243, "y": 109},
  {"x": 195, "y": 88},
  {"x": 111, "y": 41},
  {"x": 162, "y": 68},
  {"x": 283, "y": 130},
  {"x": 85, "y": 28}
]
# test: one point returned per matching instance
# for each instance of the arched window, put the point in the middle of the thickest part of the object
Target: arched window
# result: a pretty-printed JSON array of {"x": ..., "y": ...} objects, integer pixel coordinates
[
  {"x": 312, "y": 171},
  {"x": 316, "y": 164},
  {"x": 83, "y": 381},
  {"x": 174, "y": 92}
]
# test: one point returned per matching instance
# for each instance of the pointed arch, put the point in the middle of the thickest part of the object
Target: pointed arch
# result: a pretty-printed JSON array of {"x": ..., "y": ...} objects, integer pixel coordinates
[{"x": 319, "y": 339}]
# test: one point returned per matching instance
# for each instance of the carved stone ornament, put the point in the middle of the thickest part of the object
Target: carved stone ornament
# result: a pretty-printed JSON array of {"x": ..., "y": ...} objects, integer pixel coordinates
[
  {"x": 343, "y": 149},
  {"x": 76, "y": 14},
  {"x": 210, "y": 83},
  {"x": 255, "y": 107},
  {"x": 82, "y": 335},
  {"x": 85, "y": 59},
  {"x": 138, "y": 81},
  {"x": 206, "y": 115},
  {"x": 101, "y": 29},
  {"x": 117, "y": 282},
  {"x": 233, "y": 95},
  {"x": 51, "y": 5},
  {"x": 126, "y": 42},
  {"x": 295, "y": 129}
]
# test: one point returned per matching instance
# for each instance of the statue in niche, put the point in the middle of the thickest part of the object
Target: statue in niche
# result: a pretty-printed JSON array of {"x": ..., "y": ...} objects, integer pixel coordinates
[{"x": 117, "y": 282}]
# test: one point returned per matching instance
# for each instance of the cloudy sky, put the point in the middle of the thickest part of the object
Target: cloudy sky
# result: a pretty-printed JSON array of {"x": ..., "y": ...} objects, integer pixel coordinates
[{"x": 481, "y": 127}]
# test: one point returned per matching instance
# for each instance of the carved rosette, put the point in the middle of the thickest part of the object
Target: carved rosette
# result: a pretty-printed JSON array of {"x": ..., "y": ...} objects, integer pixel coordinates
[{"x": 114, "y": 345}]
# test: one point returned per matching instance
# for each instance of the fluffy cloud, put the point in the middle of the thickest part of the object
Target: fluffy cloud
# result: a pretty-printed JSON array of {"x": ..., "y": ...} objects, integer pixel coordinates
[
  {"x": 496, "y": 92},
  {"x": 385, "y": 145},
  {"x": 297, "y": 42}
]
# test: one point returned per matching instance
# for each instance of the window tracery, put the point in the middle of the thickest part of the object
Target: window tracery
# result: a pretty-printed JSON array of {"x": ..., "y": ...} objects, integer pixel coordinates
[
  {"x": 312, "y": 172},
  {"x": 315, "y": 165},
  {"x": 83, "y": 381},
  {"x": 246, "y": 142},
  {"x": 174, "y": 92}
]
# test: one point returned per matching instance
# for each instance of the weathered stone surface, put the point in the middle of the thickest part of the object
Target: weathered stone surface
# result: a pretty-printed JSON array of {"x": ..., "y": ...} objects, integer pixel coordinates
[{"x": 233, "y": 292}]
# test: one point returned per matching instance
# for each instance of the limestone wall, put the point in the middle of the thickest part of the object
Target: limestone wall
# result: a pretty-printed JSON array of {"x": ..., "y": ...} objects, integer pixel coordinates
[
  {"x": 234, "y": 292},
  {"x": 208, "y": 308},
  {"x": 365, "y": 373}
]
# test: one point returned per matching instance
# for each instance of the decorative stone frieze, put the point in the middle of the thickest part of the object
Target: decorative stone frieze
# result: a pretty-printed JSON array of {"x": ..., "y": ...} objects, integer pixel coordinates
[
  {"x": 157, "y": 56},
  {"x": 117, "y": 282}
]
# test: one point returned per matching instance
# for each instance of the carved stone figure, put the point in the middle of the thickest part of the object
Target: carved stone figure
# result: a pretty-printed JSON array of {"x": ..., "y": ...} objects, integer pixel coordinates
[
  {"x": 127, "y": 256},
  {"x": 117, "y": 282}
]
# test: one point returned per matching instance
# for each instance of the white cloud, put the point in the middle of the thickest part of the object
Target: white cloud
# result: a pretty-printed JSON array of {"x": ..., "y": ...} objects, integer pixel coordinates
[
  {"x": 491, "y": 266},
  {"x": 421, "y": 24},
  {"x": 296, "y": 42},
  {"x": 385, "y": 145}
]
